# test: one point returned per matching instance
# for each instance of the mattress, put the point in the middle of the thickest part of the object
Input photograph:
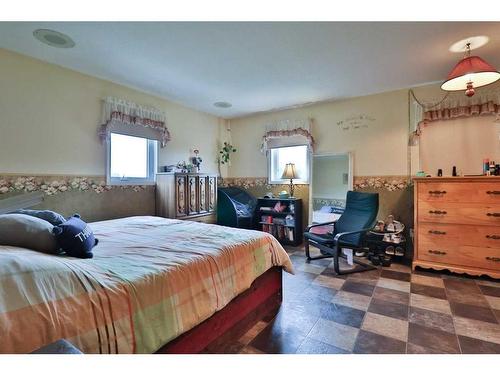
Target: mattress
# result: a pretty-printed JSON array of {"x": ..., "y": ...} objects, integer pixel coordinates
[{"x": 151, "y": 279}]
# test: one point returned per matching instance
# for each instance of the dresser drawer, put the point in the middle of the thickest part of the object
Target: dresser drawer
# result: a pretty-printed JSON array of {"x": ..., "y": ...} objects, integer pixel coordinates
[
  {"x": 455, "y": 234},
  {"x": 476, "y": 192},
  {"x": 459, "y": 213},
  {"x": 459, "y": 255}
]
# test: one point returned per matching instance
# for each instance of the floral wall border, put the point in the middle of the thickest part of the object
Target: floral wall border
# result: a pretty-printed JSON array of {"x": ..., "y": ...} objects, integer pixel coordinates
[
  {"x": 390, "y": 183},
  {"x": 252, "y": 182},
  {"x": 52, "y": 185}
]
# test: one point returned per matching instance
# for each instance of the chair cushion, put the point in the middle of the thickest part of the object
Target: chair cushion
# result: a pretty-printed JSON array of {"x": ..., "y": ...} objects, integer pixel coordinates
[
  {"x": 324, "y": 239},
  {"x": 28, "y": 232}
]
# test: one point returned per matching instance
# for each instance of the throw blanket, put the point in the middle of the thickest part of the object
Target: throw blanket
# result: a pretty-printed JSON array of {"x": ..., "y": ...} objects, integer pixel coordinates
[{"x": 151, "y": 279}]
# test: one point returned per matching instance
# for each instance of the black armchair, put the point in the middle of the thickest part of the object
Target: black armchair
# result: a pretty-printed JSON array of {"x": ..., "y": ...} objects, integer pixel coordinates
[
  {"x": 235, "y": 208},
  {"x": 348, "y": 231}
]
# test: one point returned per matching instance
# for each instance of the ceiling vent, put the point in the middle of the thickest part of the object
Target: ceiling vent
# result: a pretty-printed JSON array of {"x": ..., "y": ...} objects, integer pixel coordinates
[
  {"x": 222, "y": 105},
  {"x": 53, "y": 38}
]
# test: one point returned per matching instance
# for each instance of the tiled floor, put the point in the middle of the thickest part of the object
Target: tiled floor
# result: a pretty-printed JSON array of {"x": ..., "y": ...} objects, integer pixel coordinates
[{"x": 388, "y": 310}]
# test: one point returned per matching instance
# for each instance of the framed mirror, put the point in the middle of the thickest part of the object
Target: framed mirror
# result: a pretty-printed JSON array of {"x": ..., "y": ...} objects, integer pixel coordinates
[{"x": 331, "y": 178}]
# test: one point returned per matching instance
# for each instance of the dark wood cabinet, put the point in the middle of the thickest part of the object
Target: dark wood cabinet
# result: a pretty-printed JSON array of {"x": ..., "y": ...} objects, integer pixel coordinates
[
  {"x": 186, "y": 196},
  {"x": 202, "y": 195},
  {"x": 284, "y": 224},
  {"x": 192, "y": 195},
  {"x": 212, "y": 193},
  {"x": 180, "y": 196}
]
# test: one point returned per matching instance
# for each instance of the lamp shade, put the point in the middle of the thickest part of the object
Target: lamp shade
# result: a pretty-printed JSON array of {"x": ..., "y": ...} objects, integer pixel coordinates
[
  {"x": 470, "y": 72},
  {"x": 290, "y": 171}
]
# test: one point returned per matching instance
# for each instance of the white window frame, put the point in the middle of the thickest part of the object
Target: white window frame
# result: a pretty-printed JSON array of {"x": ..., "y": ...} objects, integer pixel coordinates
[
  {"x": 287, "y": 181},
  {"x": 152, "y": 165}
]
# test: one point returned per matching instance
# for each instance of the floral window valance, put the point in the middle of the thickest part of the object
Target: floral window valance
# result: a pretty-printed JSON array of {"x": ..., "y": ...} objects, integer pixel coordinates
[
  {"x": 132, "y": 119},
  {"x": 288, "y": 133},
  {"x": 457, "y": 105}
]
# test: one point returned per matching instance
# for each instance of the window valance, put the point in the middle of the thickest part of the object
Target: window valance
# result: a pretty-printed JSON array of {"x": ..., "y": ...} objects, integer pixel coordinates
[
  {"x": 288, "y": 133},
  {"x": 457, "y": 105},
  {"x": 121, "y": 116}
]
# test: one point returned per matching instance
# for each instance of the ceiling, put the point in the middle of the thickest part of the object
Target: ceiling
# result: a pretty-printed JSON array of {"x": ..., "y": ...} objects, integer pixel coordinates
[{"x": 256, "y": 66}]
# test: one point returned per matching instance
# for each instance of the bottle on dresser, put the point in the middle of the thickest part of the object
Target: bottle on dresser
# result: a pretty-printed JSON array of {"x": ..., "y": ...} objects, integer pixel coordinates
[
  {"x": 486, "y": 166},
  {"x": 492, "y": 168}
]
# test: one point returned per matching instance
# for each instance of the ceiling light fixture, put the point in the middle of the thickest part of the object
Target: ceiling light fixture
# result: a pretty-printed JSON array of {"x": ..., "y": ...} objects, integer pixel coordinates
[
  {"x": 469, "y": 73},
  {"x": 475, "y": 42},
  {"x": 53, "y": 38},
  {"x": 222, "y": 105}
]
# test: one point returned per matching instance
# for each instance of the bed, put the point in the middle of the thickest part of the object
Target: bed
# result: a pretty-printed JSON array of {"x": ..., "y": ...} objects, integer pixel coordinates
[
  {"x": 325, "y": 214},
  {"x": 152, "y": 282}
]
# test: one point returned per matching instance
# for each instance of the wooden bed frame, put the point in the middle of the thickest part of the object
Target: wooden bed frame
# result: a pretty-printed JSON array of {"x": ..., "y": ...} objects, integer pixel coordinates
[{"x": 262, "y": 298}]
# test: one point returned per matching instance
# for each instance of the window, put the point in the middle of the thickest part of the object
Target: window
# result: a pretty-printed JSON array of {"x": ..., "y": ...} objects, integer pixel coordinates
[
  {"x": 280, "y": 156},
  {"x": 131, "y": 160}
]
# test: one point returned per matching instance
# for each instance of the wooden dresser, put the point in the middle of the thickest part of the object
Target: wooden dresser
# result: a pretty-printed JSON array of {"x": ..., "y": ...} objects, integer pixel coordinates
[
  {"x": 457, "y": 224},
  {"x": 191, "y": 196}
]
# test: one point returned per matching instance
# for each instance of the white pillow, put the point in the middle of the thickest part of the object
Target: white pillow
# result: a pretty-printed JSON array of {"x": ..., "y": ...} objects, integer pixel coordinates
[{"x": 29, "y": 232}]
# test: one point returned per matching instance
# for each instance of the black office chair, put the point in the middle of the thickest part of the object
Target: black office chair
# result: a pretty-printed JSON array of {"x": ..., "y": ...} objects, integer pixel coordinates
[{"x": 348, "y": 231}]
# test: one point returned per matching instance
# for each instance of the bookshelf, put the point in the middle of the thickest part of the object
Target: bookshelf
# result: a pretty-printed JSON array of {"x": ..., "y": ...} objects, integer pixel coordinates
[{"x": 285, "y": 224}]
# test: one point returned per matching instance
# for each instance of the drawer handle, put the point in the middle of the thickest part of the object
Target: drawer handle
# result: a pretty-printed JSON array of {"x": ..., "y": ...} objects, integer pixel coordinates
[
  {"x": 437, "y": 192},
  {"x": 494, "y": 192},
  {"x": 437, "y": 252},
  {"x": 494, "y": 214},
  {"x": 436, "y": 232},
  {"x": 438, "y": 212},
  {"x": 493, "y": 259},
  {"x": 493, "y": 237}
]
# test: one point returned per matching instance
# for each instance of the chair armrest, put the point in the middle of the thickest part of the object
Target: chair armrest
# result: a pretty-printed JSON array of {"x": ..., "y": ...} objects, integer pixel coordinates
[
  {"x": 320, "y": 225},
  {"x": 338, "y": 235}
]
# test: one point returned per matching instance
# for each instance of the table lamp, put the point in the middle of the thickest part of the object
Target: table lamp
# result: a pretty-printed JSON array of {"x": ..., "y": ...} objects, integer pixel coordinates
[{"x": 290, "y": 173}]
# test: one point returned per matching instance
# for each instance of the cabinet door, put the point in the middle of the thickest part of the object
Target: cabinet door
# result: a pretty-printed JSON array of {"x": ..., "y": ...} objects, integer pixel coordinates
[
  {"x": 212, "y": 193},
  {"x": 202, "y": 195},
  {"x": 192, "y": 195},
  {"x": 180, "y": 196}
]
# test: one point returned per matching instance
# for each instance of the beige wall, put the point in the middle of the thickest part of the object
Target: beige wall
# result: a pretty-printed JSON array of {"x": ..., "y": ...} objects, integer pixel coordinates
[
  {"x": 49, "y": 118},
  {"x": 380, "y": 148},
  {"x": 462, "y": 142}
]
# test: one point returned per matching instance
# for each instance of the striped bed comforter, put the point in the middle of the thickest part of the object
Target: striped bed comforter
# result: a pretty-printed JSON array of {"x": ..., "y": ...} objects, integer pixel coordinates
[{"x": 151, "y": 279}]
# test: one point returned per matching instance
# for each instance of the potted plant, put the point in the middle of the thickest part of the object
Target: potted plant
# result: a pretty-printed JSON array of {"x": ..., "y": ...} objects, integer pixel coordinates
[{"x": 225, "y": 152}]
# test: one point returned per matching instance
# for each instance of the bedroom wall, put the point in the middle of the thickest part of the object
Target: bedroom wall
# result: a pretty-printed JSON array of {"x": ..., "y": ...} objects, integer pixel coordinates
[
  {"x": 378, "y": 139},
  {"x": 374, "y": 128},
  {"x": 49, "y": 118},
  {"x": 463, "y": 142}
]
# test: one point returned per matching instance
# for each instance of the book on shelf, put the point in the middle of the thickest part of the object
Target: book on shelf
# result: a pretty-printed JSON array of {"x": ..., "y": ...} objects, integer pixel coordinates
[
  {"x": 279, "y": 221},
  {"x": 289, "y": 234},
  {"x": 266, "y": 219}
]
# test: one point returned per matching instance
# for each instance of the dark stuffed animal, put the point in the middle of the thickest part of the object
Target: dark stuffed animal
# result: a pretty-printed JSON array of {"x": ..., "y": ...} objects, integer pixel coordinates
[{"x": 75, "y": 237}]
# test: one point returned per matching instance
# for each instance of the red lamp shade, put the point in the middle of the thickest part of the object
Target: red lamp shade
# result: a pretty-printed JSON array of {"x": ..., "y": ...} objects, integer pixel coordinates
[{"x": 470, "y": 72}]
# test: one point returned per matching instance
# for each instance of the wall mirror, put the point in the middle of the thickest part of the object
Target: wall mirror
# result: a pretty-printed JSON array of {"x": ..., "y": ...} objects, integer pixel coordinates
[{"x": 332, "y": 177}]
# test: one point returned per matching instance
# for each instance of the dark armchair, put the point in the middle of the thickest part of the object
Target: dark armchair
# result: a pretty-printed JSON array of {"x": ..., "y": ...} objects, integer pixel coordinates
[
  {"x": 235, "y": 208},
  {"x": 348, "y": 231}
]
